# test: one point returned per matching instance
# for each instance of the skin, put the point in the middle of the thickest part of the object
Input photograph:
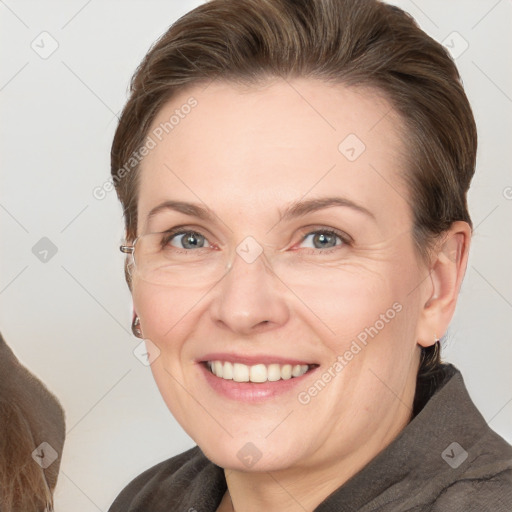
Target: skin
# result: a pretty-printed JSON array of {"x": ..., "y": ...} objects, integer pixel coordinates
[{"x": 247, "y": 154}]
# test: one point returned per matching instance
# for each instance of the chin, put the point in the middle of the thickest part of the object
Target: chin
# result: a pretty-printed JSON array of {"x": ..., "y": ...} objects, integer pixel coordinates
[
  {"x": 251, "y": 452},
  {"x": 247, "y": 458}
]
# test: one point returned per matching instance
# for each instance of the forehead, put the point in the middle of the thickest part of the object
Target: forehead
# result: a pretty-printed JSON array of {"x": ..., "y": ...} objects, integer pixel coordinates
[{"x": 261, "y": 145}]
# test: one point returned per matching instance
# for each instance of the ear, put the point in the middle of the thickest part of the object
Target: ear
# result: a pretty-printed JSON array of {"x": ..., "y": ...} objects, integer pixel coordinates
[{"x": 447, "y": 268}]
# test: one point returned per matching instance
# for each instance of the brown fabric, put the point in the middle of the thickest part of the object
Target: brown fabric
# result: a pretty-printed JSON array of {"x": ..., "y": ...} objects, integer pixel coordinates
[{"x": 420, "y": 471}]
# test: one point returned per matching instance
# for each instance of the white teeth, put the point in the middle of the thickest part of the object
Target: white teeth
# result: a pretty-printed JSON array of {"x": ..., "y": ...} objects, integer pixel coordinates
[
  {"x": 217, "y": 365},
  {"x": 296, "y": 371},
  {"x": 257, "y": 373},
  {"x": 286, "y": 372},
  {"x": 240, "y": 372},
  {"x": 273, "y": 372},
  {"x": 227, "y": 371}
]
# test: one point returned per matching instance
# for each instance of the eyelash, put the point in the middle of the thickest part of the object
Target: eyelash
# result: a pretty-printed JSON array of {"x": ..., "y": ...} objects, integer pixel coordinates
[{"x": 345, "y": 239}]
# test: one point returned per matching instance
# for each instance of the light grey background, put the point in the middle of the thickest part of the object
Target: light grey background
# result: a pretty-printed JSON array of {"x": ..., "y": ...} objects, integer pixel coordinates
[{"x": 68, "y": 319}]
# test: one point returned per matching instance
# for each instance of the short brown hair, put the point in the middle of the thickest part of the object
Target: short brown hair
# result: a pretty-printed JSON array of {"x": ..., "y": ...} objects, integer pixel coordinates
[{"x": 353, "y": 42}]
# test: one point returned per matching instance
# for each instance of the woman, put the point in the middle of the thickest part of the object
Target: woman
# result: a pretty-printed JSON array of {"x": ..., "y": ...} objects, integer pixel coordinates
[
  {"x": 294, "y": 178},
  {"x": 32, "y": 432}
]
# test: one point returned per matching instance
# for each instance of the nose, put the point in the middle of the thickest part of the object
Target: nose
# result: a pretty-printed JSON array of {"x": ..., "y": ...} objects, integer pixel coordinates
[{"x": 250, "y": 298}]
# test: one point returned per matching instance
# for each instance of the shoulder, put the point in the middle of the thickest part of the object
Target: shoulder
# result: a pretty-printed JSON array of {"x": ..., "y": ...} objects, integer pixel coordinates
[
  {"x": 477, "y": 494},
  {"x": 483, "y": 481},
  {"x": 486, "y": 483},
  {"x": 175, "y": 483}
]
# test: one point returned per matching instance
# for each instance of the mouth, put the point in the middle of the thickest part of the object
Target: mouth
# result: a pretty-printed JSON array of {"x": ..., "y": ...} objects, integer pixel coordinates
[
  {"x": 256, "y": 373},
  {"x": 254, "y": 378}
]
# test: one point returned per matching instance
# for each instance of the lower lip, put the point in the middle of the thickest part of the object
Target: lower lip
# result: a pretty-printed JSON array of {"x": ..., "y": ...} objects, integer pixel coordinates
[{"x": 252, "y": 391}]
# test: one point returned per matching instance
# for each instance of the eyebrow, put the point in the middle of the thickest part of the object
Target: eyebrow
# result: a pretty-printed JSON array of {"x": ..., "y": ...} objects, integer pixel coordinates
[
  {"x": 296, "y": 209},
  {"x": 194, "y": 210},
  {"x": 300, "y": 208}
]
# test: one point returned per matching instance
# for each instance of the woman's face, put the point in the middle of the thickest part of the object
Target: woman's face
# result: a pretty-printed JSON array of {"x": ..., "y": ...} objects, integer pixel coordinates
[{"x": 295, "y": 253}]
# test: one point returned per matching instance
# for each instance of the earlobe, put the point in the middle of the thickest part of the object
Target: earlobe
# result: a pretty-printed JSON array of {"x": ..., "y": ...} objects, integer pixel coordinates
[
  {"x": 447, "y": 271},
  {"x": 136, "y": 327}
]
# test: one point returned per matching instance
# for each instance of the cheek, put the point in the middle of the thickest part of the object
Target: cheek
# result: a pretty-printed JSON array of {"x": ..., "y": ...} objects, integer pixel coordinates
[
  {"x": 364, "y": 303},
  {"x": 346, "y": 300},
  {"x": 153, "y": 309},
  {"x": 168, "y": 316},
  {"x": 163, "y": 310}
]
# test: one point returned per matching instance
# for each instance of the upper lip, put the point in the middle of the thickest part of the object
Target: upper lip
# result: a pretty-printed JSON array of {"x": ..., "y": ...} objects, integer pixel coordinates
[{"x": 251, "y": 360}]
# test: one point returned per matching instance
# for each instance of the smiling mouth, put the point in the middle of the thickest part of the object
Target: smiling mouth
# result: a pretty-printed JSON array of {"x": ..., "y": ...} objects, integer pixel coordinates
[{"x": 257, "y": 373}]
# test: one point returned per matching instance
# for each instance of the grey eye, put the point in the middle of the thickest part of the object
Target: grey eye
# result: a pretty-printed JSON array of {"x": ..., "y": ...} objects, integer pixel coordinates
[
  {"x": 321, "y": 240},
  {"x": 188, "y": 240}
]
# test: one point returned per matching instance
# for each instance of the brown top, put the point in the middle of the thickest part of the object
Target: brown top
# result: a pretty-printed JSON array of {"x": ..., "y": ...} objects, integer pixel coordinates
[{"x": 447, "y": 459}]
